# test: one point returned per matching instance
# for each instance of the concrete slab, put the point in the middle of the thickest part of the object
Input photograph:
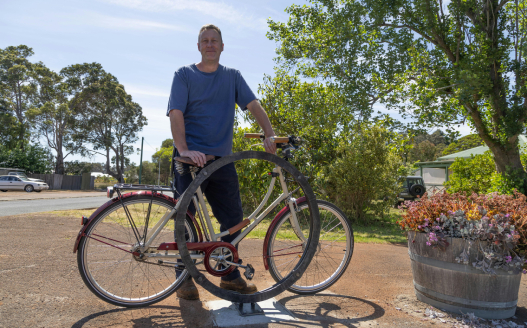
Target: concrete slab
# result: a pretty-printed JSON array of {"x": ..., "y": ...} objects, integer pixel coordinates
[{"x": 225, "y": 314}]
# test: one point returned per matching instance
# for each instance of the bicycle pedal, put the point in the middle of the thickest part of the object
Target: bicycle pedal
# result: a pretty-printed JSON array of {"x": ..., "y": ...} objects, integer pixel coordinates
[{"x": 249, "y": 272}]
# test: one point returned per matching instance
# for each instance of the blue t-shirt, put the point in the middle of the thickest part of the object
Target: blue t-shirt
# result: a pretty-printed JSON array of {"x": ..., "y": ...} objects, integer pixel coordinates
[{"x": 207, "y": 102}]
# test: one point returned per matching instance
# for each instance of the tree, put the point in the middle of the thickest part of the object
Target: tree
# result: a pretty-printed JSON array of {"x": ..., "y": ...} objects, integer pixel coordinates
[
  {"x": 109, "y": 120},
  {"x": 463, "y": 143},
  {"x": 33, "y": 158},
  {"x": 57, "y": 105},
  {"x": 10, "y": 131},
  {"x": 17, "y": 88},
  {"x": 77, "y": 168},
  {"x": 311, "y": 110},
  {"x": 440, "y": 63},
  {"x": 366, "y": 170},
  {"x": 162, "y": 158}
]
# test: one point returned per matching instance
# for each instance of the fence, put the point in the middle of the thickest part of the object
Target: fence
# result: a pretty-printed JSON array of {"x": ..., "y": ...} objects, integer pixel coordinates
[
  {"x": 435, "y": 189},
  {"x": 66, "y": 182}
]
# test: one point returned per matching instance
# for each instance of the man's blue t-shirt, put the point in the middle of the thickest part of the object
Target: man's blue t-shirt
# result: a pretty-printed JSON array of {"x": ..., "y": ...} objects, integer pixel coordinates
[{"x": 207, "y": 102}]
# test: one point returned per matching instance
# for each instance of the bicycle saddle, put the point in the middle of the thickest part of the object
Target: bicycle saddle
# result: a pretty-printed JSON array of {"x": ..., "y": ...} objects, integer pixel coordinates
[{"x": 188, "y": 160}]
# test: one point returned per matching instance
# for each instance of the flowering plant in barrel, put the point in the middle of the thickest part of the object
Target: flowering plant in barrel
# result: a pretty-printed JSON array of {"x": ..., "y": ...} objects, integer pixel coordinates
[
  {"x": 468, "y": 252},
  {"x": 498, "y": 220}
]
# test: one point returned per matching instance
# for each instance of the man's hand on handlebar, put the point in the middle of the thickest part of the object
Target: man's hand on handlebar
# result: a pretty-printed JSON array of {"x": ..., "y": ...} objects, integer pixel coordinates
[
  {"x": 269, "y": 146},
  {"x": 196, "y": 156}
]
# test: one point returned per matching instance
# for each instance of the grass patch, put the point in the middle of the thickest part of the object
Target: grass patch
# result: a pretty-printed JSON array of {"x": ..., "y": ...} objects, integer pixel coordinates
[{"x": 381, "y": 230}]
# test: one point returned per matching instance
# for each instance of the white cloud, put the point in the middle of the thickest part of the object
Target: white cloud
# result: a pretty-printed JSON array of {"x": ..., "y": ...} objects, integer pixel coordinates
[
  {"x": 218, "y": 10},
  {"x": 146, "y": 91},
  {"x": 132, "y": 24}
]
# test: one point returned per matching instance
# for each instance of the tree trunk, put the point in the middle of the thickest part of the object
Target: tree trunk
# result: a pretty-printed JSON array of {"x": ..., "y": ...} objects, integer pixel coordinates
[
  {"x": 507, "y": 158},
  {"x": 59, "y": 164}
]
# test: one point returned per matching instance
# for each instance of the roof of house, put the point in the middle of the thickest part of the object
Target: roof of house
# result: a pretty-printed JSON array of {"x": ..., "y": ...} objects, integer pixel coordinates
[{"x": 522, "y": 139}]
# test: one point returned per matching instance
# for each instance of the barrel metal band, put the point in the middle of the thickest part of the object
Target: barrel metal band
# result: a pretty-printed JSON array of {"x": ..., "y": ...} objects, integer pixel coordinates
[
  {"x": 452, "y": 266},
  {"x": 463, "y": 301}
]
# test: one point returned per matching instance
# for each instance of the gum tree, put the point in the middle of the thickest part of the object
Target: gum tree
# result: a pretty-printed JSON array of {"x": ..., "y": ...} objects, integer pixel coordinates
[
  {"x": 110, "y": 121},
  {"x": 441, "y": 63},
  {"x": 17, "y": 91}
]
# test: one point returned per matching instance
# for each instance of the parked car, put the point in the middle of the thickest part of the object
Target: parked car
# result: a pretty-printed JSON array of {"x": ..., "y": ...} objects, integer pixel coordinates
[
  {"x": 23, "y": 175},
  {"x": 413, "y": 187},
  {"x": 9, "y": 182}
]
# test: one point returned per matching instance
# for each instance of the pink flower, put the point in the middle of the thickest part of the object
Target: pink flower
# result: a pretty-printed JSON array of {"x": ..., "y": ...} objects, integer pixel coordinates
[
  {"x": 429, "y": 243},
  {"x": 508, "y": 259}
]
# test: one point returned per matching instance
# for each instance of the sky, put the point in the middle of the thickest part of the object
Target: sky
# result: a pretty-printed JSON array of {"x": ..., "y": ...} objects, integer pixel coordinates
[{"x": 142, "y": 43}]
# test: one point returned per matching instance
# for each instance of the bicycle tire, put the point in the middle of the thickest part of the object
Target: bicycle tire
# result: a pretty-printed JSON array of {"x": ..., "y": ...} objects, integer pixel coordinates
[
  {"x": 101, "y": 266},
  {"x": 326, "y": 268},
  {"x": 308, "y": 250}
]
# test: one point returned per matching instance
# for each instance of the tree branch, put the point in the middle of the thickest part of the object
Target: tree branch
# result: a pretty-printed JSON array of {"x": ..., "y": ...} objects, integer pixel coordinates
[{"x": 411, "y": 28}]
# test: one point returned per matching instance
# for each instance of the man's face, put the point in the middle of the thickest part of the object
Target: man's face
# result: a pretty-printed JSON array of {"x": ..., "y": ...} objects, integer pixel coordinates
[{"x": 210, "y": 45}]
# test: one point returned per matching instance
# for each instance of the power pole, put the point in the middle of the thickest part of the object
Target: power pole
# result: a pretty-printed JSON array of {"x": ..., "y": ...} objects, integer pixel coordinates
[{"x": 141, "y": 160}]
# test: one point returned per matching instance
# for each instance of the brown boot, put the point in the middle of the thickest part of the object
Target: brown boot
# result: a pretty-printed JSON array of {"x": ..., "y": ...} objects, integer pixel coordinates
[
  {"x": 188, "y": 290},
  {"x": 239, "y": 285}
]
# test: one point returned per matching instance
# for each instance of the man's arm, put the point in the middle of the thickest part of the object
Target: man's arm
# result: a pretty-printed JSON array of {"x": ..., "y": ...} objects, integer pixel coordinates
[
  {"x": 177, "y": 125},
  {"x": 263, "y": 121}
]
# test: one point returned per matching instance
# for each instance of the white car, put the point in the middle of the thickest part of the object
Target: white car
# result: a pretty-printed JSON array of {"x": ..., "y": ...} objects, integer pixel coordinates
[
  {"x": 23, "y": 175},
  {"x": 10, "y": 182}
]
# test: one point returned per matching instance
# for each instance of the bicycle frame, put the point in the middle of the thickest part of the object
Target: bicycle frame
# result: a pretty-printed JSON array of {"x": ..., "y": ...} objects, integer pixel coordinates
[{"x": 208, "y": 230}]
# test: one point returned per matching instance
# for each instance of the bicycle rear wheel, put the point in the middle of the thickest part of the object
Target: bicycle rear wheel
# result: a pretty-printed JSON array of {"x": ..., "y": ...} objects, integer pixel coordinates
[
  {"x": 109, "y": 269},
  {"x": 333, "y": 253}
]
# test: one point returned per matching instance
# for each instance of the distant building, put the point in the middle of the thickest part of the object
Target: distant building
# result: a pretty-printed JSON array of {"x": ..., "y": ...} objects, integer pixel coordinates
[{"x": 100, "y": 174}]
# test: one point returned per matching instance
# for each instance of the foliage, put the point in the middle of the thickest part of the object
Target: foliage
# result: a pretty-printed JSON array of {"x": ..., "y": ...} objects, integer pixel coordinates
[
  {"x": 463, "y": 143},
  {"x": 163, "y": 156},
  {"x": 77, "y": 168},
  {"x": 148, "y": 174},
  {"x": 471, "y": 174},
  {"x": 57, "y": 104},
  {"x": 10, "y": 131},
  {"x": 251, "y": 173},
  {"x": 17, "y": 90},
  {"x": 499, "y": 220},
  {"x": 440, "y": 63},
  {"x": 310, "y": 110},
  {"x": 33, "y": 158},
  {"x": 478, "y": 174},
  {"x": 367, "y": 169},
  {"x": 108, "y": 118}
]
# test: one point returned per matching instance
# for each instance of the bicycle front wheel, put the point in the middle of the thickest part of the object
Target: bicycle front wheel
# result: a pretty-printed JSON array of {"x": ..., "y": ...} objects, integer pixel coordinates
[
  {"x": 333, "y": 254},
  {"x": 106, "y": 263}
]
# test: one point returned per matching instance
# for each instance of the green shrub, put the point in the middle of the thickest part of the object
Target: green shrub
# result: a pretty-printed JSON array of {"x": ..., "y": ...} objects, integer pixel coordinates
[
  {"x": 478, "y": 175},
  {"x": 365, "y": 172},
  {"x": 471, "y": 174},
  {"x": 33, "y": 158}
]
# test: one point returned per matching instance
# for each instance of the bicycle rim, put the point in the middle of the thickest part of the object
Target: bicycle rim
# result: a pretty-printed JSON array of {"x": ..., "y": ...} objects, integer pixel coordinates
[
  {"x": 117, "y": 276},
  {"x": 331, "y": 258}
]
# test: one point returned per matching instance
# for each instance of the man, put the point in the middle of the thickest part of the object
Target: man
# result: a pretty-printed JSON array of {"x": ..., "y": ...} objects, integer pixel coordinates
[{"x": 201, "y": 110}]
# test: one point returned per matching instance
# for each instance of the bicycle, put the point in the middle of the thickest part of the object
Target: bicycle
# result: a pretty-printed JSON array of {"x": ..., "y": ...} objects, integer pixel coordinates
[{"x": 141, "y": 270}]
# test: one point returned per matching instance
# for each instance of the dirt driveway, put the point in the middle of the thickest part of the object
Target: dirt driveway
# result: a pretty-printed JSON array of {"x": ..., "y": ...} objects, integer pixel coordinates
[{"x": 41, "y": 287}]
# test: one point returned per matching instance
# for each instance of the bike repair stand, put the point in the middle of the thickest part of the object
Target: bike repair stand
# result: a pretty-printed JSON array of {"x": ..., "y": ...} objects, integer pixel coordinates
[{"x": 247, "y": 309}]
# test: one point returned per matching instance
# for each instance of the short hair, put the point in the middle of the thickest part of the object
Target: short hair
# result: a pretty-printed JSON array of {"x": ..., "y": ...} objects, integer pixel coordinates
[{"x": 209, "y": 27}]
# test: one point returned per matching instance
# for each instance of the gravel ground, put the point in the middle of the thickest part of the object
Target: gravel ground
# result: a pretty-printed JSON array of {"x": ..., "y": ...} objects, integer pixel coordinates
[{"x": 41, "y": 287}]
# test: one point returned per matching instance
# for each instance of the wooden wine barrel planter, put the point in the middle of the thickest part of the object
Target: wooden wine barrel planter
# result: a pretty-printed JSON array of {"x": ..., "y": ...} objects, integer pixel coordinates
[{"x": 455, "y": 287}]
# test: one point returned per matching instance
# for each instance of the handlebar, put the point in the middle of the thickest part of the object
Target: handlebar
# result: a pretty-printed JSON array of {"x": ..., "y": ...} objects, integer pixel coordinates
[{"x": 295, "y": 141}]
